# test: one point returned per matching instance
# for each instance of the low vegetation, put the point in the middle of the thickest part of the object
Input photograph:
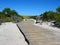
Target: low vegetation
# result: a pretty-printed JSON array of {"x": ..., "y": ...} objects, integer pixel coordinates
[
  {"x": 8, "y": 15},
  {"x": 29, "y": 17},
  {"x": 51, "y": 16},
  {"x": 32, "y": 17}
]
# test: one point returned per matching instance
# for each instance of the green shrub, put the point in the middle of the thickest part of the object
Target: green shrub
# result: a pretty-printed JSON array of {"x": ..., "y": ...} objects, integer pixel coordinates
[{"x": 8, "y": 19}]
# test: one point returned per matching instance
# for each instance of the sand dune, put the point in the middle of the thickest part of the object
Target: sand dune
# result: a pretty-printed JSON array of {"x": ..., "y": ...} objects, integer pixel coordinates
[{"x": 10, "y": 35}]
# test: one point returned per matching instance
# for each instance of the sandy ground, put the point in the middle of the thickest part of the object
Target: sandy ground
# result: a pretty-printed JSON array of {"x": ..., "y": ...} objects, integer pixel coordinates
[
  {"x": 39, "y": 36},
  {"x": 47, "y": 27},
  {"x": 10, "y": 35}
]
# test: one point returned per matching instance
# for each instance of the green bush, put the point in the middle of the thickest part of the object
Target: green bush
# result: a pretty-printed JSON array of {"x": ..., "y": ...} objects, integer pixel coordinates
[{"x": 8, "y": 19}]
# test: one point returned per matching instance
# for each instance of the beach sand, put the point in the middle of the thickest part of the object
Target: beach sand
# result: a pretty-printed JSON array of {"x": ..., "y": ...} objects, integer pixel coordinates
[{"x": 10, "y": 35}]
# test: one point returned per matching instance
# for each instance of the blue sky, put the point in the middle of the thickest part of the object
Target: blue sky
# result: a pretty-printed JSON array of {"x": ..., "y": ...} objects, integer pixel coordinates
[{"x": 30, "y": 7}]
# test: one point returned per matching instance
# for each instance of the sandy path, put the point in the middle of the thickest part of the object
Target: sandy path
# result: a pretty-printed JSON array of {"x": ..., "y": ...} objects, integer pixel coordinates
[{"x": 39, "y": 36}]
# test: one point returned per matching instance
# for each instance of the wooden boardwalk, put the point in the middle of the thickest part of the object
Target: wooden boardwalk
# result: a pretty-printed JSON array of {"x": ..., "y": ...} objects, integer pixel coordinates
[{"x": 37, "y": 35}]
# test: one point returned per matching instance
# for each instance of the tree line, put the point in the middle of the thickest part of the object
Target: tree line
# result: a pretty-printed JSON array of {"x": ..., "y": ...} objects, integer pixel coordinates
[
  {"x": 8, "y": 15},
  {"x": 51, "y": 16}
]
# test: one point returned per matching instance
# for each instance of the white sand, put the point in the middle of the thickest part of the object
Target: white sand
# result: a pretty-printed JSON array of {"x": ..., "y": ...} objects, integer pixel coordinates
[
  {"x": 48, "y": 27},
  {"x": 10, "y": 35}
]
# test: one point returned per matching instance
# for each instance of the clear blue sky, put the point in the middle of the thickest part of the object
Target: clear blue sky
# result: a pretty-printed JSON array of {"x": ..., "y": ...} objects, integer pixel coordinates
[{"x": 30, "y": 7}]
